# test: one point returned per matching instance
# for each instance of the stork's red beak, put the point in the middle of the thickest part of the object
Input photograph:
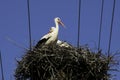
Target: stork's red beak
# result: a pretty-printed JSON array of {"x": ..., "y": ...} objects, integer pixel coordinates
[{"x": 60, "y": 22}]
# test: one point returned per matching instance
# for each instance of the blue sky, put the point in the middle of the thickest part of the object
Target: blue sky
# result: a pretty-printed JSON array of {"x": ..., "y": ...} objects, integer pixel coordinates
[{"x": 14, "y": 24}]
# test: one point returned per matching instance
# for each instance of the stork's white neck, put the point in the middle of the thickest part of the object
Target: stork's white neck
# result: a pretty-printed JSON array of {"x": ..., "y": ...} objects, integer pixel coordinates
[{"x": 57, "y": 26}]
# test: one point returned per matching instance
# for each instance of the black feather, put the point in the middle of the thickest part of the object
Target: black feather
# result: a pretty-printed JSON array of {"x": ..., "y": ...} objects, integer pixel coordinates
[{"x": 41, "y": 42}]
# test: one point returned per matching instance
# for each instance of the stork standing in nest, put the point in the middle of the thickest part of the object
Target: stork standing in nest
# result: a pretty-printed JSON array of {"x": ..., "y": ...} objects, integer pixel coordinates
[{"x": 52, "y": 36}]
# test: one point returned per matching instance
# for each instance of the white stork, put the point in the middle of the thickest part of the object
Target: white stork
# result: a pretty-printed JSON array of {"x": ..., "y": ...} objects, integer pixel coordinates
[
  {"x": 52, "y": 36},
  {"x": 63, "y": 44}
]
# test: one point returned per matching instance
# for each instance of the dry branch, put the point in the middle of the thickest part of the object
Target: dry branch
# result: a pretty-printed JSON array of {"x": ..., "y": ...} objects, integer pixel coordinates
[{"x": 60, "y": 63}]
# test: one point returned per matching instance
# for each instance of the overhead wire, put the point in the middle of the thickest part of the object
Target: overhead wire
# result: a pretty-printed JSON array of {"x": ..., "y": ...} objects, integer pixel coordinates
[
  {"x": 1, "y": 66},
  {"x": 111, "y": 28},
  {"x": 79, "y": 13},
  {"x": 100, "y": 28},
  {"x": 29, "y": 25}
]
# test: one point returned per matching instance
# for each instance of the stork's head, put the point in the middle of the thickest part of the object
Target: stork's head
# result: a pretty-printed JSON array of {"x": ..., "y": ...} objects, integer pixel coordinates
[
  {"x": 58, "y": 20},
  {"x": 51, "y": 29}
]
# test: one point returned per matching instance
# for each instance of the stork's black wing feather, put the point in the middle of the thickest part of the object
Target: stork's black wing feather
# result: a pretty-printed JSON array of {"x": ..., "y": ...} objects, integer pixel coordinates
[{"x": 41, "y": 42}]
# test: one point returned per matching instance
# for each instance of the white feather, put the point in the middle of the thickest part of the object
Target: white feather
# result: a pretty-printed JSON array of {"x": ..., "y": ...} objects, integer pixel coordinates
[
  {"x": 52, "y": 36},
  {"x": 63, "y": 44}
]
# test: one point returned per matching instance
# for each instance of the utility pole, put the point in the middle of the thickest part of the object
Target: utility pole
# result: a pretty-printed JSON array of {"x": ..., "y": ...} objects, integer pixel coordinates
[{"x": 1, "y": 66}]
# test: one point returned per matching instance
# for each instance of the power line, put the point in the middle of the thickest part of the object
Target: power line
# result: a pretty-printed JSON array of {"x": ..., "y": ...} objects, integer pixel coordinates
[
  {"x": 79, "y": 10},
  {"x": 16, "y": 44},
  {"x": 29, "y": 25},
  {"x": 100, "y": 29},
  {"x": 111, "y": 28},
  {"x": 1, "y": 66}
]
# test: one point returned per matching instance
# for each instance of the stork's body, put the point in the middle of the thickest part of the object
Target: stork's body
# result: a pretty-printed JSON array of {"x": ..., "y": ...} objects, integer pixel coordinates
[
  {"x": 63, "y": 44},
  {"x": 52, "y": 36}
]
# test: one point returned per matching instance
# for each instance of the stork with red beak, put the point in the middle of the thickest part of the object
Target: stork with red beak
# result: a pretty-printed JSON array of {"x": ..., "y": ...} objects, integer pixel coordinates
[{"x": 52, "y": 36}]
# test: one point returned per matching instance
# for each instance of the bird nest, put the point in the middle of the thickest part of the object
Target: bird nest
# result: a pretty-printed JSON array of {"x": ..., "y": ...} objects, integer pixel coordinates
[{"x": 61, "y": 63}]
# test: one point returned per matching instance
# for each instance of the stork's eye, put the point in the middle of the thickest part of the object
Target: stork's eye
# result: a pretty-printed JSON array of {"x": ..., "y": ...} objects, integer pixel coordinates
[{"x": 58, "y": 19}]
